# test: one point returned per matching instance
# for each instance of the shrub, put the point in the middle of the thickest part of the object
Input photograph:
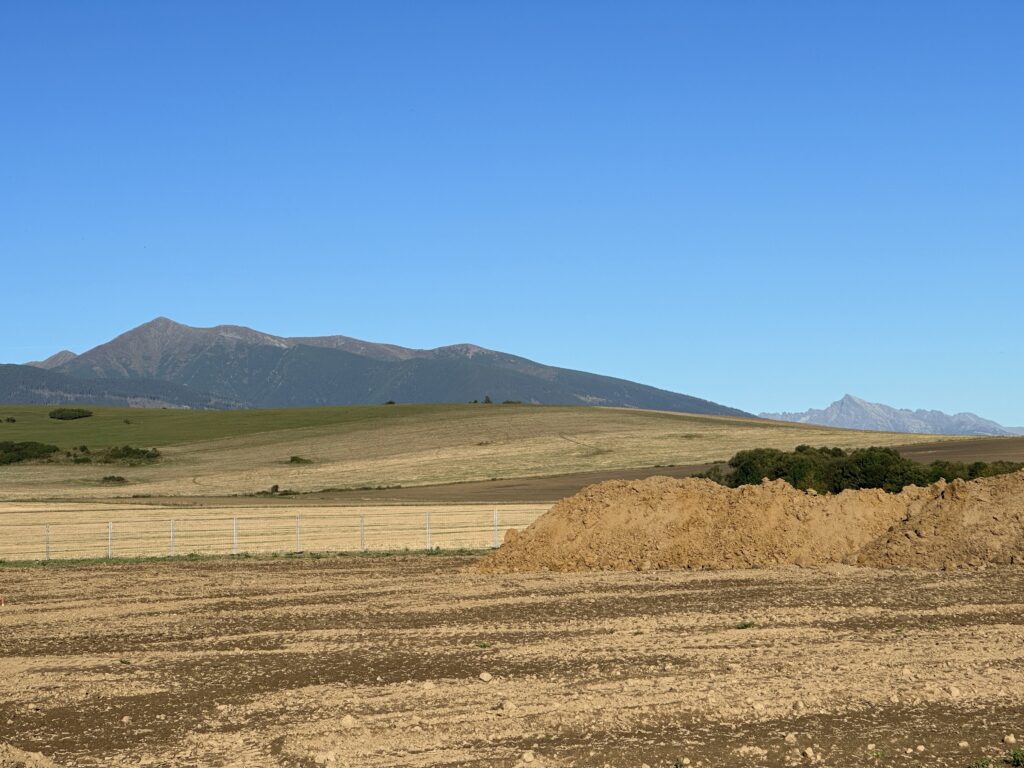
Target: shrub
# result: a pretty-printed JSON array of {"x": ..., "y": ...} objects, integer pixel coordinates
[
  {"x": 113, "y": 479},
  {"x": 68, "y": 414},
  {"x": 832, "y": 470},
  {"x": 12, "y": 453},
  {"x": 487, "y": 399},
  {"x": 10, "y": 420},
  {"x": 299, "y": 460},
  {"x": 130, "y": 453},
  {"x": 511, "y": 402}
]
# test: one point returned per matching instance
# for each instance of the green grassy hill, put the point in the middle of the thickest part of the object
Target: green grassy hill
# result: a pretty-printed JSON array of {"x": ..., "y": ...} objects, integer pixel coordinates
[{"x": 160, "y": 427}]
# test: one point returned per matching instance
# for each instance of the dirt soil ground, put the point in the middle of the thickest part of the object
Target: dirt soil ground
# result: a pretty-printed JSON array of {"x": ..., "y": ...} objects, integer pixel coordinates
[
  {"x": 381, "y": 662},
  {"x": 974, "y": 449}
]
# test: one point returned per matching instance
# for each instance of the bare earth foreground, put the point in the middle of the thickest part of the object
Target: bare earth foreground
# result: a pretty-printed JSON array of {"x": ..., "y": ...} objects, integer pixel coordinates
[{"x": 377, "y": 662}]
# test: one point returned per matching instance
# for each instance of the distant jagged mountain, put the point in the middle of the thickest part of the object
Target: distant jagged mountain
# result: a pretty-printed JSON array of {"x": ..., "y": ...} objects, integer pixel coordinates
[
  {"x": 854, "y": 413},
  {"x": 237, "y": 365},
  {"x": 31, "y": 385}
]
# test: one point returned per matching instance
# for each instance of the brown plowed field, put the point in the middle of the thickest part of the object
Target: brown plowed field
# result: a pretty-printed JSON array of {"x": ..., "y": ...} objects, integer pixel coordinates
[
  {"x": 975, "y": 449},
  {"x": 377, "y": 662}
]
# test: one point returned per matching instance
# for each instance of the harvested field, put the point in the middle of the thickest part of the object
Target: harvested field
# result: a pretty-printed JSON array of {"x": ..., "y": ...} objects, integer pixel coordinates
[
  {"x": 244, "y": 452},
  {"x": 377, "y": 662}
]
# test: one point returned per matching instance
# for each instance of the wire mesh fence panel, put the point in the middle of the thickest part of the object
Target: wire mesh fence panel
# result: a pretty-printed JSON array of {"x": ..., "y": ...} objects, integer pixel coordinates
[
  {"x": 267, "y": 534},
  {"x": 202, "y": 537},
  {"x": 394, "y": 531},
  {"x": 24, "y": 542},
  {"x": 79, "y": 540},
  {"x": 145, "y": 538},
  {"x": 330, "y": 533},
  {"x": 462, "y": 530}
]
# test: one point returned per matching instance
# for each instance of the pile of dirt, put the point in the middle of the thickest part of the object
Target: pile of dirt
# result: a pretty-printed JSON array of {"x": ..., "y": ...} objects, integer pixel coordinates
[
  {"x": 10, "y": 757},
  {"x": 663, "y": 522}
]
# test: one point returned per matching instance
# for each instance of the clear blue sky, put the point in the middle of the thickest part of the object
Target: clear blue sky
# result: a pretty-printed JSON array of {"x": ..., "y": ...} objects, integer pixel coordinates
[{"x": 767, "y": 204}]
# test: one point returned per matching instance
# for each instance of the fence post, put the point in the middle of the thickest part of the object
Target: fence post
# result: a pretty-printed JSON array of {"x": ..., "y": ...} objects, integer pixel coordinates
[
  {"x": 172, "y": 538},
  {"x": 495, "y": 528},
  {"x": 362, "y": 533},
  {"x": 46, "y": 547},
  {"x": 428, "y": 529},
  {"x": 110, "y": 541},
  {"x": 298, "y": 535},
  {"x": 234, "y": 535}
]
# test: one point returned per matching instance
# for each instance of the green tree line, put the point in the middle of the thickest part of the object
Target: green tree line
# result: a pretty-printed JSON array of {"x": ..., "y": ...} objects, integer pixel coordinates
[{"x": 831, "y": 470}]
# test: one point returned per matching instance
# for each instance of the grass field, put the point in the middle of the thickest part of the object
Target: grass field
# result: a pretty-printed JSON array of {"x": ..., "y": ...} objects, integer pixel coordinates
[{"x": 221, "y": 453}]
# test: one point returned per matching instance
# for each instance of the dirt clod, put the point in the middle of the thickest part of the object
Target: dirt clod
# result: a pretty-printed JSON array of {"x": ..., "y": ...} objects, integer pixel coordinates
[{"x": 11, "y": 757}]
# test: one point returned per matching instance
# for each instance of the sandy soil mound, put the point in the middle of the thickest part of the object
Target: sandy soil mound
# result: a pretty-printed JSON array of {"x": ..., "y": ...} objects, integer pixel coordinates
[
  {"x": 663, "y": 522},
  {"x": 964, "y": 524},
  {"x": 16, "y": 758}
]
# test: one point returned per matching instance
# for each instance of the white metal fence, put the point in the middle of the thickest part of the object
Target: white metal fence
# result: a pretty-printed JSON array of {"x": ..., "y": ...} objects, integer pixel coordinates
[{"x": 348, "y": 531}]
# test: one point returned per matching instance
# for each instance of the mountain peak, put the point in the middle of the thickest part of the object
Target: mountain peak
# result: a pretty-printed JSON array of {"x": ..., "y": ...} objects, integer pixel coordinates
[
  {"x": 161, "y": 323},
  {"x": 851, "y": 412},
  {"x": 53, "y": 361}
]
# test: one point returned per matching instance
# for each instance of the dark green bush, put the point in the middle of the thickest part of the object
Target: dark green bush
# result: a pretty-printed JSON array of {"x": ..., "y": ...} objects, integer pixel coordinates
[
  {"x": 114, "y": 479},
  {"x": 10, "y": 420},
  {"x": 832, "y": 470},
  {"x": 130, "y": 453},
  {"x": 12, "y": 453},
  {"x": 299, "y": 460},
  {"x": 68, "y": 414}
]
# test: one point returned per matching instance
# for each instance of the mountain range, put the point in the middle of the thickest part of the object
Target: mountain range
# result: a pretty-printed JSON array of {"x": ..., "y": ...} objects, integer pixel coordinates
[
  {"x": 852, "y": 412},
  {"x": 164, "y": 363}
]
